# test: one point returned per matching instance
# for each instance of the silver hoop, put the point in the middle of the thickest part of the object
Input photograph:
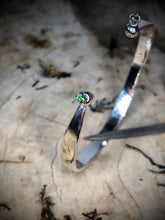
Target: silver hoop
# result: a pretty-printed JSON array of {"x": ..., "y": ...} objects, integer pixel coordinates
[{"x": 69, "y": 156}]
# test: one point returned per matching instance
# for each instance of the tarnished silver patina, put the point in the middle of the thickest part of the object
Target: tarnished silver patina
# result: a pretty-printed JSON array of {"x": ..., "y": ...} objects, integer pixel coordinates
[{"x": 69, "y": 155}]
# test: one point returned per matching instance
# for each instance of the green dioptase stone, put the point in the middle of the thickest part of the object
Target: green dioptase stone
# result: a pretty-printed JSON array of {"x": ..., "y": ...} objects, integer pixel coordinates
[
  {"x": 81, "y": 98},
  {"x": 136, "y": 17}
]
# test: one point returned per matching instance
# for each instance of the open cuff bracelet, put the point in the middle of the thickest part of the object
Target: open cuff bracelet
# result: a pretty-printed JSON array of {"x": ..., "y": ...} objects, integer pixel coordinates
[{"x": 135, "y": 27}]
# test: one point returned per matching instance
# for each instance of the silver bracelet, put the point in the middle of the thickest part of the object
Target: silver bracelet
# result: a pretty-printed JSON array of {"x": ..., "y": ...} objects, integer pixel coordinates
[{"x": 69, "y": 155}]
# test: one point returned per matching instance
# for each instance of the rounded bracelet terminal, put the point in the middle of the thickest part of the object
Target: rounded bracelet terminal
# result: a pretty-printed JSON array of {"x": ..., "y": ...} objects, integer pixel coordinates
[
  {"x": 135, "y": 27},
  {"x": 71, "y": 136}
]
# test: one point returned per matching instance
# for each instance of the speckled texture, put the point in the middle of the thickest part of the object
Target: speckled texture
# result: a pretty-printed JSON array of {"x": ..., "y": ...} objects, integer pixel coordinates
[{"x": 33, "y": 118}]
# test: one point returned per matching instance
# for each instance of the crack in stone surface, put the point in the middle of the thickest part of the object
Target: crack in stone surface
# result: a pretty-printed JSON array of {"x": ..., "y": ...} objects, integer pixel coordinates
[
  {"x": 11, "y": 161},
  {"x": 50, "y": 120},
  {"x": 158, "y": 172},
  {"x": 152, "y": 162},
  {"x": 117, "y": 198},
  {"x": 52, "y": 173},
  {"x": 161, "y": 184},
  {"x": 5, "y": 206},
  {"x": 14, "y": 90},
  {"x": 133, "y": 199}
]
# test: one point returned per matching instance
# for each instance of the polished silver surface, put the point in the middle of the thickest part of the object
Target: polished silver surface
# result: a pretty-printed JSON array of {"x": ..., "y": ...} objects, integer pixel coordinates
[{"x": 69, "y": 156}]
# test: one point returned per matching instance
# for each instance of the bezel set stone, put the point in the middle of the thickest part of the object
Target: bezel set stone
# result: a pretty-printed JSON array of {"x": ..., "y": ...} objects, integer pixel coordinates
[
  {"x": 134, "y": 19},
  {"x": 84, "y": 97}
]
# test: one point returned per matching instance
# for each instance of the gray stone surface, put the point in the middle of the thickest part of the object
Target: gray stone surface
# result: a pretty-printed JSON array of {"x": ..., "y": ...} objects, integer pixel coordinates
[{"x": 32, "y": 120}]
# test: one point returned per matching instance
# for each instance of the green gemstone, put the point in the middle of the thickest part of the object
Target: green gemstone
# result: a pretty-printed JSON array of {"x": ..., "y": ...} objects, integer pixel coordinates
[
  {"x": 81, "y": 98},
  {"x": 136, "y": 17}
]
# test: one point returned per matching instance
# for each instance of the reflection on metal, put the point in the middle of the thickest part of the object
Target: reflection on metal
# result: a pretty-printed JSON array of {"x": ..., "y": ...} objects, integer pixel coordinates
[{"x": 69, "y": 156}]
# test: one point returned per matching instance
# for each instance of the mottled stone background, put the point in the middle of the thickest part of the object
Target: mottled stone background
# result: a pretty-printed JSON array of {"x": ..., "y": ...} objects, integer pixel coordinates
[{"x": 49, "y": 51}]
